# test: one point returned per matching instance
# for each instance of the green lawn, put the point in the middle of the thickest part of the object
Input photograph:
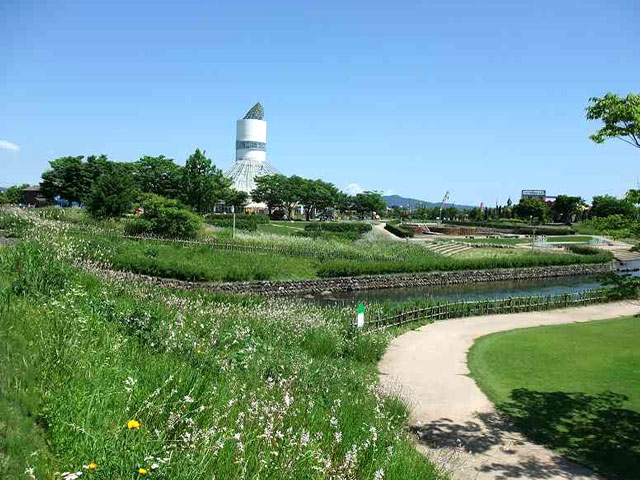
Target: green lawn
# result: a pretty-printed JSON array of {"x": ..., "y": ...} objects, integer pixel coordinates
[{"x": 574, "y": 388}]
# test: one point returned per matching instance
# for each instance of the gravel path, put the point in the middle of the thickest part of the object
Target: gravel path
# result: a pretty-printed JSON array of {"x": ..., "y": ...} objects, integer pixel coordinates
[{"x": 454, "y": 422}]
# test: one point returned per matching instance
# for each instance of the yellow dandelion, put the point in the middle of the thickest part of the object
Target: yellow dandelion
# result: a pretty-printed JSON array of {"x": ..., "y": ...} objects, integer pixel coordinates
[
  {"x": 92, "y": 466},
  {"x": 142, "y": 471},
  {"x": 133, "y": 425}
]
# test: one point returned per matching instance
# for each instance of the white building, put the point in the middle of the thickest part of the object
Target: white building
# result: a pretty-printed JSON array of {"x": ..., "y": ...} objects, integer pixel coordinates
[{"x": 251, "y": 150}]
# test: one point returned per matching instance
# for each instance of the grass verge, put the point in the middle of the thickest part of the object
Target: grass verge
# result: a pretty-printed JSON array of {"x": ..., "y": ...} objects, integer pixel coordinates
[
  {"x": 574, "y": 388},
  {"x": 221, "y": 387}
]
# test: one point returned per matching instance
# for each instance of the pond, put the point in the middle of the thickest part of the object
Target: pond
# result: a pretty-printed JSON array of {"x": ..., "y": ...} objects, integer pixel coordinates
[{"x": 470, "y": 291}]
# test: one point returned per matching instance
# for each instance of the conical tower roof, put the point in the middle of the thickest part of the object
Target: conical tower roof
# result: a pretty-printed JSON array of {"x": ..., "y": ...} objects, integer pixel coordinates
[{"x": 255, "y": 113}]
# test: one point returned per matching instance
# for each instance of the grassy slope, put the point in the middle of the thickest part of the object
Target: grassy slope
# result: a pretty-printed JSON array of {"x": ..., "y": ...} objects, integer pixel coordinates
[
  {"x": 573, "y": 387},
  {"x": 231, "y": 388}
]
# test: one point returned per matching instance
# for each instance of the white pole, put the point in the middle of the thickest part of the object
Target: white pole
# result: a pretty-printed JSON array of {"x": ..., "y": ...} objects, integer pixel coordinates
[{"x": 233, "y": 210}]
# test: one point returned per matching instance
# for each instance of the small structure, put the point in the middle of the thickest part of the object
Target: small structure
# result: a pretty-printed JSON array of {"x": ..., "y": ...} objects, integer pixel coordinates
[{"x": 33, "y": 197}]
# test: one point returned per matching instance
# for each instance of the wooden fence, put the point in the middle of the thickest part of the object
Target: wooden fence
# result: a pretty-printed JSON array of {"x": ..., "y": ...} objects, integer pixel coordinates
[{"x": 375, "y": 321}]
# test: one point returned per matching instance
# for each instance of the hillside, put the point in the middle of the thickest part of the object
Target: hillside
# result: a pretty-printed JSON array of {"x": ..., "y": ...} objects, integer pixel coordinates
[{"x": 397, "y": 200}]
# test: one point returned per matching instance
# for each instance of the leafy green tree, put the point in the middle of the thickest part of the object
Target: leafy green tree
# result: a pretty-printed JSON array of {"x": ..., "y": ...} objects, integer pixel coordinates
[
  {"x": 316, "y": 195},
  {"x": 113, "y": 192},
  {"x": 565, "y": 208},
  {"x": 14, "y": 195},
  {"x": 621, "y": 118},
  {"x": 68, "y": 178},
  {"x": 368, "y": 203},
  {"x": 159, "y": 175},
  {"x": 203, "y": 184},
  {"x": 532, "y": 208},
  {"x": 237, "y": 199},
  {"x": 273, "y": 190},
  {"x": 606, "y": 205}
]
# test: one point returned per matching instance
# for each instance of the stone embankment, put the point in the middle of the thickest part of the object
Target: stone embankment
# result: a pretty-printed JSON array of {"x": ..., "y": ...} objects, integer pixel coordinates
[{"x": 346, "y": 284}]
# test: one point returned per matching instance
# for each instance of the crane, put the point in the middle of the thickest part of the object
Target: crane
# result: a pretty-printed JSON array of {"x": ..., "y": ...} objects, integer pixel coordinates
[{"x": 444, "y": 200}]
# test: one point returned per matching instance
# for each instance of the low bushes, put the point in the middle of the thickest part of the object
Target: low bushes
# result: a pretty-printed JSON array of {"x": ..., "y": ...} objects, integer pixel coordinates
[
  {"x": 339, "y": 227},
  {"x": 243, "y": 221},
  {"x": 583, "y": 250},
  {"x": 398, "y": 231},
  {"x": 165, "y": 218}
]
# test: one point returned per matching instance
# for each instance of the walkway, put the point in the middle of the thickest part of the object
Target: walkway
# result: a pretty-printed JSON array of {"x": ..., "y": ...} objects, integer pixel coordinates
[{"x": 455, "y": 422}]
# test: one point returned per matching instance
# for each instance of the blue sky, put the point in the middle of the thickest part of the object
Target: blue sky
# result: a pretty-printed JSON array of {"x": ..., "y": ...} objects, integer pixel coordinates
[{"x": 481, "y": 98}]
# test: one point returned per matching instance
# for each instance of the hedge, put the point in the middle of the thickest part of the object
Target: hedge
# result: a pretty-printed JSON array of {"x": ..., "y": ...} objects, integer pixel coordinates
[
  {"x": 339, "y": 227},
  {"x": 347, "y": 268},
  {"x": 258, "y": 218},
  {"x": 399, "y": 231},
  {"x": 519, "y": 228}
]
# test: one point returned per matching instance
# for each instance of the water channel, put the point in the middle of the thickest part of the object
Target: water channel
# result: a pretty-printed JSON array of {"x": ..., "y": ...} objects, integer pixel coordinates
[{"x": 469, "y": 291}]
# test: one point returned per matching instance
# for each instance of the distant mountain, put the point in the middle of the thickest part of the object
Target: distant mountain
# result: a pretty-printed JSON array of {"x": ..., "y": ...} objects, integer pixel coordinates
[{"x": 398, "y": 201}]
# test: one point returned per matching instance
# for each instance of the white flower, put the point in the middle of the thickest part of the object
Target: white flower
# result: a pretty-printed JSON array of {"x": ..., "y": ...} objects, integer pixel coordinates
[
  {"x": 188, "y": 399},
  {"x": 287, "y": 399},
  {"x": 379, "y": 475},
  {"x": 338, "y": 437}
]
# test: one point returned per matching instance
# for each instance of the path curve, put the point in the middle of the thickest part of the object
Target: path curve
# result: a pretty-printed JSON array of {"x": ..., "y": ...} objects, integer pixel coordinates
[{"x": 454, "y": 422}]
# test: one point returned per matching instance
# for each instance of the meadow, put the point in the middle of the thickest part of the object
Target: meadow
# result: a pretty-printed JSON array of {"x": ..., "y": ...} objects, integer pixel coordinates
[
  {"x": 574, "y": 388},
  {"x": 108, "y": 379}
]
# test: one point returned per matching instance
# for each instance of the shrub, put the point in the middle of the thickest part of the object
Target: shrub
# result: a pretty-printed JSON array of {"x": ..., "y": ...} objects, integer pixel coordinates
[
  {"x": 257, "y": 218},
  {"x": 164, "y": 217},
  {"x": 518, "y": 227},
  {"x": 583, "y": 250},
  {"x": 243, "y": 223},
  {"x": 339, "y": 227},
  {"x": 398, "y": 231}
]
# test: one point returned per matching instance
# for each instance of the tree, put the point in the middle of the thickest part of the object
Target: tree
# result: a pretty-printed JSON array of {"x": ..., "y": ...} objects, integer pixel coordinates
[
  {"x": 14, "y": 195},
  {"x": 237, "y": 199},
  {"x": 159, "y": 175},
  {"x": 605, "y": 205},
  {"x": 368, "y": 203},
  {"x": 271, "y": 189},
  {"x": 67, "y": 178},
  {"x": 113, "y": 192},
  {"x": 621, "y": 118},
  {"x": 565, "y": 207},
  {"x": 532, "y": 208},
  {"x": 203, "y": 184},
  {"x": 315, "y": 195}
]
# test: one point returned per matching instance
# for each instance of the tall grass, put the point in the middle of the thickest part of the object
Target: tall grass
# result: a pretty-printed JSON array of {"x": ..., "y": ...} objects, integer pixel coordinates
[{"x": 221, "y": 388}]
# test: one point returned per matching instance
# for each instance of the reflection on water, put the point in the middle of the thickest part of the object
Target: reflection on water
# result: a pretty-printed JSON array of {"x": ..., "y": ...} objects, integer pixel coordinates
[{"x": 470, "y": 291}]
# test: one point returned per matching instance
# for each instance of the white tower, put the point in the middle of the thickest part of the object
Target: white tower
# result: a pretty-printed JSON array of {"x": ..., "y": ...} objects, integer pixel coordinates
[{"x": 251, "y": 150}]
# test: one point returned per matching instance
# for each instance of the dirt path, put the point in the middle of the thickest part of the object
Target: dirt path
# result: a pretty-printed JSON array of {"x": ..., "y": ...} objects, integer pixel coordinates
[{"x": 454, "y": 422}]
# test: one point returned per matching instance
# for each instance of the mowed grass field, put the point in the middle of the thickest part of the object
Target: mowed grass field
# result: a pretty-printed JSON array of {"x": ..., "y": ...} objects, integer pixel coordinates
[{"x": 574, "y": 388}]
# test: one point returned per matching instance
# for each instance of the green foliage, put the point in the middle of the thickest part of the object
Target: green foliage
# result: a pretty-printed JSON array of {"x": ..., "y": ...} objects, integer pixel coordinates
[
  {"x": 203, "y": 185},
  {"x": 217, "y": 384},
  {"x": 616, "y": 226},
  {"x": 14, "y": 195},
  {"x": 565, "y": 208},
  {"x": 621, "y": 118},
  {"x": 258, "y": 218},
  {"x": 583, "y": 250},
  {"x": 368, "y": 203},
  {"x": 621, "y": 287},
  {"x": 245, "y": 223},
  {"x": 339, "y": 227},
  {"x": 67, "y": 178},
  {"x": 164, "y": 217},
  {"x": 607, "y": 205},
  {"x": 113, "y": 193},
  {"x": 513, "y": 226},
  {"x": 158, "y": 175},
  {"x": 398, "y": 230},
  {"x": 532, "y": 208}
]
